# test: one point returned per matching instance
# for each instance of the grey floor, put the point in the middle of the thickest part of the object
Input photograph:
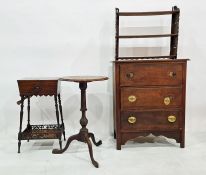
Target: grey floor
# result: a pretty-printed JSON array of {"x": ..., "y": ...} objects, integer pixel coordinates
[{"x": 144, "y": 156}]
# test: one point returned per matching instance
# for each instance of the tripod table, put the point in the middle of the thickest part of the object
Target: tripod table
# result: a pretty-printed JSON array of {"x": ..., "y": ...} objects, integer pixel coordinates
[{"x": 84, "y": 134}]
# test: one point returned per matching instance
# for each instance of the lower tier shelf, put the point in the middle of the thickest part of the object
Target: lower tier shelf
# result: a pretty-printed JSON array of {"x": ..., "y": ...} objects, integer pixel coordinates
[{"x": 50, "y": 131}]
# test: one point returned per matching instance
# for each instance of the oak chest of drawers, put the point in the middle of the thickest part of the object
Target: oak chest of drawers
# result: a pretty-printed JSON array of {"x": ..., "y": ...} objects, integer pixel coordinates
[{"x": 149, "y": 97}]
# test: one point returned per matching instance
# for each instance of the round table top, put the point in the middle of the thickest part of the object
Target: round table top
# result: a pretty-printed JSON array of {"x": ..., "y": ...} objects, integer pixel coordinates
[{"x": 84, "y": 78}]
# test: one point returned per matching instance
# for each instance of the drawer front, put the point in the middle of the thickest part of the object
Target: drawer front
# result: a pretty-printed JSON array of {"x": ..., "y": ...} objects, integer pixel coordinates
[
  {"x": 147, "y": 120},
  {"x": 141, "y": 98},
  {"x": 133, "y": 74},
  {"x": 38, "y": 87}
]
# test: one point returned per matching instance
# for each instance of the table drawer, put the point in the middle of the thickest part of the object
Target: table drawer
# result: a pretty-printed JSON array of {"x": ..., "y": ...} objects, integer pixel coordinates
[
  {"x": 147, "y": 120},
  {"x": 133, "y": 74},
  {"x": 38, "y": 87},
  {"x": 164, "y": 97}
]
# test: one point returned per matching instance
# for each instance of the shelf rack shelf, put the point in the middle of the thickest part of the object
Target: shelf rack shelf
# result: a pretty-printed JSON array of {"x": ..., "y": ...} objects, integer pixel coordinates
[
  {"x": 145, "y": 36},
  {"x": 148, "y": 57},
  {"x": 175, "y": 12},
  {"x": 155, "y": 13}
]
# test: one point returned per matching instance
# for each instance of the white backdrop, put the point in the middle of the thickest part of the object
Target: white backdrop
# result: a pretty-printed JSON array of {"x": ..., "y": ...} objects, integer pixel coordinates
[{"x": 59, "y": 38}]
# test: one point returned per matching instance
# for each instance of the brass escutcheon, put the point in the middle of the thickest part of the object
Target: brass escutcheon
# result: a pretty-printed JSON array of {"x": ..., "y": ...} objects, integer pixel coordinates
[
  {"x": 130, "y": 75},
  {"x": 167, "y": 100},
  {"x": 171, "y": 118},
  {"x": 172, "y": 74},
  {"x": 132, "y": 98},
  {"x": 132, "y": 119}
]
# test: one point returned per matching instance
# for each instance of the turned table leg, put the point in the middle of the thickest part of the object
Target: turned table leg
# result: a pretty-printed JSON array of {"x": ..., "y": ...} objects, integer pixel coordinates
[
  {"x": 61, "y": 114},
  {"x": 21, "y": 119},
  {"x": 28, "y": 111},
  {"x": 57, "y": 116}
]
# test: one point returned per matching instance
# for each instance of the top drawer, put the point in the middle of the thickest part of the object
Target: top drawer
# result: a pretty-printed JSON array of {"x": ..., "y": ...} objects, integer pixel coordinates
[
  {"x": 140, "y": 74},
  {"x": 38, "y": 87}
]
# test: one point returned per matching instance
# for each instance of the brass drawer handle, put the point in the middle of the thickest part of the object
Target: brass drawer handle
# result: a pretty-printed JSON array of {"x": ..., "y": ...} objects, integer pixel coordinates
[
  {"x": 172, "y": 74},
  {"x": 132, "y": 98},
  {"x": 167, "y": 100},
  {"x": 132, "y": 119},
  {"x": 171, "y": 118},
  {"x": 130, "y": 75}
]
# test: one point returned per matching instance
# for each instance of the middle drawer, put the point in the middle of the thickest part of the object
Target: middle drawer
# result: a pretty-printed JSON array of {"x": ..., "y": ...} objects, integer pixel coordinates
[{"x": 147, "y": 98}]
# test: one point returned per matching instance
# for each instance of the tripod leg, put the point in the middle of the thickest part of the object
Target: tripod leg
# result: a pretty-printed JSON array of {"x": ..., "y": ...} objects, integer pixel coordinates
[
  {"x": 95, "y": 163},
  {"x": 93, "y": 139},
  {"x": 70, "y": 139}
]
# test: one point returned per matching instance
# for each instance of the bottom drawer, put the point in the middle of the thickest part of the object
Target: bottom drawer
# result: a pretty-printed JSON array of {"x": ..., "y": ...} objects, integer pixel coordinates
[{"x": 147, "y": 120}]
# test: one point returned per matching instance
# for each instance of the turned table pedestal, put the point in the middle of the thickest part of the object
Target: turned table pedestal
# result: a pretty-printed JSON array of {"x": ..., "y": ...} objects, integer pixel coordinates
[{"x": 84, "y": 135}]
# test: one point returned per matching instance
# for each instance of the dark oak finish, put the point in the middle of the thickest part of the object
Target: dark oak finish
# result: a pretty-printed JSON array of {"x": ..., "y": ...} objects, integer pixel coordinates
[
  {"x": 84, "y": 135},
  {"x": 29, "y": 87},
  {"x": 148, "y": 111}
]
